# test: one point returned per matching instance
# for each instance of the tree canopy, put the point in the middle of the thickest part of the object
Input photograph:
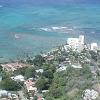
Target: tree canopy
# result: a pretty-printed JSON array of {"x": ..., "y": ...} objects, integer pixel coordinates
[
  {"x": 9, "y": 85},
  {"x": 30, "y": 72}
]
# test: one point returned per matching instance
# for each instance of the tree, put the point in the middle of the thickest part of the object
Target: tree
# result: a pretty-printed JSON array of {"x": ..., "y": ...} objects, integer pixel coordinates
[
  {"x": 94, "y": 55},
  {"x": 49, "y": 70},
  {"x": 10, "y": 85},
  {"x": 5, "y": 75},
  {"x": 55, "y": 91},
  {"x": 29, "y": 59},
  {"x": 49, "y": 66},
  {"x": 58, "y": 86},
  {"x": 38, "y": 61},
  {"x": 48, "y": 74},
  {"x": 86, "y": 72},
  {"x": 20, "y": 71},
  {"x": 42, "y": 84},
  {"x": 49, "y": 98},
  {"x": 72, "y": 58},
  {"x": 0, "y": 68},
  {"x": 30, "y": 72}
]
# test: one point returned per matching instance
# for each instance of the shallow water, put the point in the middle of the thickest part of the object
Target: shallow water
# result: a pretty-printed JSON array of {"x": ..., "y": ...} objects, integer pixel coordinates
[{"x": 21, "y": 23}]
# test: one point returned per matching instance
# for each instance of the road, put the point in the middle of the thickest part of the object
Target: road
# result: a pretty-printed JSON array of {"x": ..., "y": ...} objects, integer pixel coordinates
[{"x": 21, "y": 94}]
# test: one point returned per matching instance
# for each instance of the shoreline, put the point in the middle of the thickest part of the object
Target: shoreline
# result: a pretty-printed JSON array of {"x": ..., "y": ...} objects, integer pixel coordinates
[{"x": 23, "y": 56}]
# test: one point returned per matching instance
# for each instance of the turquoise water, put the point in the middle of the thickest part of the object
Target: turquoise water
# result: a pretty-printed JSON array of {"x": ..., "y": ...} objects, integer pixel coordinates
[{"x": 20, "y": 26}]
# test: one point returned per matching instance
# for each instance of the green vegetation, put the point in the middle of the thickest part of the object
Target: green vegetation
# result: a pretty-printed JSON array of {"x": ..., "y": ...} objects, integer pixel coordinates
[
  {"x": 69, "y": 83},
  {"x": 38, "y": 61},
  {"x": 65, "y": 81},
  {"x": 9, "y": 85},
  {"x": 30, "y": 72},
  {"x": 42, "y": 83},
  {"x": 46, "y": 77},
  {"x": 20, "y": 71}
]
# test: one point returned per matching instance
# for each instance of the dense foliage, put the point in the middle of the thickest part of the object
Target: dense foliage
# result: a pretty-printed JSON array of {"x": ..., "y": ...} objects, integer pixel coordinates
[
  {"x": 9, "y": 85},
  {"x": 64, "y": 82}
]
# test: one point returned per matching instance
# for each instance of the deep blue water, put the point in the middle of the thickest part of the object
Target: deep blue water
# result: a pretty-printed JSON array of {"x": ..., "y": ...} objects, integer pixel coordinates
[{"x": 21, "y": 20}]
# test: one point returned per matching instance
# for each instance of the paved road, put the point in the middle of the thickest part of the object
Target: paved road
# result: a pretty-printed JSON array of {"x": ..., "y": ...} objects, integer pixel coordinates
[{"x": 21, "y": 94}]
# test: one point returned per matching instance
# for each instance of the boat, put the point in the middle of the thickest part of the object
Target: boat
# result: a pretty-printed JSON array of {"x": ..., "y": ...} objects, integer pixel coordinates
[{"x": 16, "y": 36}]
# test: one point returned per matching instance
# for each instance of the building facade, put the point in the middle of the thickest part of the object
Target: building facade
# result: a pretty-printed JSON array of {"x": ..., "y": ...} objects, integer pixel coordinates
[{"x": 76, "y": 43}]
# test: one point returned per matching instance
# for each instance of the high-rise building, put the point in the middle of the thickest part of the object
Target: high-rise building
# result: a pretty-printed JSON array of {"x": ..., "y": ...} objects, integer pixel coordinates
[
  {"x": 81, "y": 39},
  {"x": 76, "y": 43},
  {"x": 94, "y": 46}
]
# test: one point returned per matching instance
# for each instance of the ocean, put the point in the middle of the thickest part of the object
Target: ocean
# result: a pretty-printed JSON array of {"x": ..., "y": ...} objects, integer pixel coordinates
[{"x": 30, "y": 26}]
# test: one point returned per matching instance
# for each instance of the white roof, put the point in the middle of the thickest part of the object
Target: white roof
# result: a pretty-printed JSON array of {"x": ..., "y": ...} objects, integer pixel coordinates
[
  {"x": 76, "y": 66},
  {"x": 73, "y": 39},
  {"x": 3, "y": 92},
  {"x": 61, "y": 69},
  {"x": 39, "y": 70},
  {"x": 94, "y": 44},
  {"x": 90, "y": 94},
  {"x": 19, "y": 77}
]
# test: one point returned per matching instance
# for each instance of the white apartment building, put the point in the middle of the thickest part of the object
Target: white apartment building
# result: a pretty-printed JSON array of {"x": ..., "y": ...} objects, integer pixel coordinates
[
  {"x": 94, "y": 46},
  {"x": 76, "y": 43}
]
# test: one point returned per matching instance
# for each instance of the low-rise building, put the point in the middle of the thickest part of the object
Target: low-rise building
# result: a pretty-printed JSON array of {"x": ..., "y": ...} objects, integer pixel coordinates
[
  {"x": 30, "y": 86},
  {"x": 39, "y": 71},
  {"x": 90, "y": 94},
  {"x": 61, "y": 69},
  {"x": 6, "y": 95},
  {"x": 50, "y": 57},
  {"x": 13, "y": 66},
  {"x": 77, "y": 66},
  {"x": 18, "y": 78},
  {"x": 3, "y": 93}
]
